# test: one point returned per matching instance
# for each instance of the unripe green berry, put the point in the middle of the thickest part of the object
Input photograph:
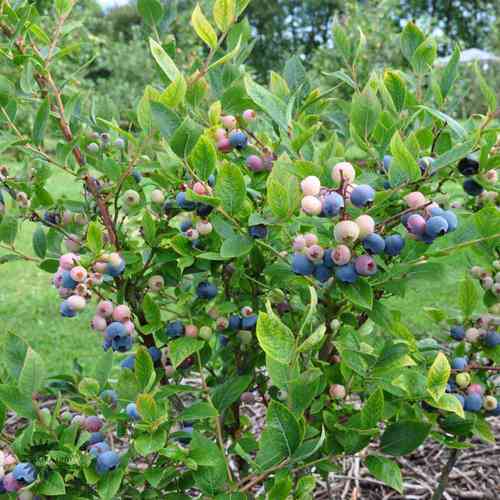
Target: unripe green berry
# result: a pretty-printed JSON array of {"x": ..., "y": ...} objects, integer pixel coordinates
[
  {"x": 93, "y": 148},
  {"x": 205, "y": 333},
  {"x": 490, "y": 403},
  {"x": 463, "y": 380},
  {"x": 131, "y": 198}
]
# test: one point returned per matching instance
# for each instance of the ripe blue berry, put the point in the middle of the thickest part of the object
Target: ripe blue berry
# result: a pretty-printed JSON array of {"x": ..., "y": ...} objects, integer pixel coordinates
[
  {"x": 346, "y": 273},
  {"x": 249, "y": 322},
  {"x": 66, "y": 311},
  {"x": 259, "y": 232},
  {"x": 211, "y": 180},
  {"x": 174, "y": 329},
  {"x": 24, "y": 472},
  {"x": 122, "y": 344},
  {"x": 203, "y": 210},
  {"x": 96, "y": 437},
  {"x": 136, "y": 175},
  {"x": 234, "y": 322},
  {"x": 115, "y": 330},
  {"x": 426, "y": 165},
  {"x": 362, "y": 195},
  {"x": 109, "y": 396},
  {"x": 394, "y": 245},
  {"x": 473, "y": 402},
  {"x": 327, "y": 259},
  {"x": 436, "y": 226},
  {"x": 238, "y": 139},
  {"x": 132, "y": 412},
  {"x": 98, "y": 448},
  {"x": 106, "y": 462},
  {"x": 67, "y": 281},
  {"x": 472, "y": 187},
  {"x": 457, "y": 332},
  {"x": 374, "y": 243},
  {"x": 302, "y": 265},
  {"x": 115, "y": 270},
  {"x": 459, "y": 363},
  {"x": 206, "y": 290},
  {"x": 332, "y": 204},
  {"x": 451, "y": 219},
  {"x": 468, "y": 167},
  {"x": 183, "y": 202},
  {"x": 185, "y": 225},
  {"x": 155, "y": 353},
  {"x": 387, "y": 162},
  {"x": 128, "y": 362},
  {"x": 322, "y": 272},
  {"x": 491, "y": 339}
]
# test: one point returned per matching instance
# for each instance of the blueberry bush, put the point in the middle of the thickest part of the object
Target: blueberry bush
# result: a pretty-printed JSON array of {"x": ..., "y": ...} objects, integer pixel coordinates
[{"x": 237, "y": 243}]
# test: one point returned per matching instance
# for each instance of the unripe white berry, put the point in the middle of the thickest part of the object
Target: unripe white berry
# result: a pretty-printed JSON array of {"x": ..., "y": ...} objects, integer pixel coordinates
[
  {"x": 311, "y": 205},
  {"x": 157, "y": 196},
  {"x": 204, "y": 227},
  {"x": 343, "y": 171},
  {"x": 366, "y": 225},
  {"x": 311, "y": 186},
  {"x": 346, "y": 231}
]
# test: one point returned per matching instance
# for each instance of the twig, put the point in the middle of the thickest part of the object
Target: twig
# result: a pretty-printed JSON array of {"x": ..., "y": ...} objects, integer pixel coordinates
[{"x": 445, "y": 475}]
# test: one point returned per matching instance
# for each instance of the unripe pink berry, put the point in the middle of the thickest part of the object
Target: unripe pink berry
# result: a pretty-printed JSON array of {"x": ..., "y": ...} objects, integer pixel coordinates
[
  {"x": 129, "y": 327},
  {"x": 78, "y": 273},
  {"x": 10, "y": 484},
  {"x": 315, "y": 253},
  {"x": 169, "y": 371},
  {"x": 346, "y": 231},
  {"x": 199, "y": 188},
  {"x": 484, "y": 274},
  {"x": 57, "y": 278},
  {"x": 191, "y": 234},
  {"x": 191, "y": 331},
  {"x": 416, "y": 224},
  {"x": 249, "y": 115},
  {"x": 343, "y": 171},
  {"x": 78, "y": 420},
  {"x": 25, "y": 495},
  {"x": 105, "y": 308},
  {"x": 456, "y": 205},
  {"x": 341, "y": 255},
  {"x": 64, "y": 293},
  {"x": 220, "y": 134},
  {"x": 100, "y": 267},
  {"x": 337, "y": 391},
  {"x": 68, "y": 260},
  {"x": 487, "y": 283},
  {"x": 491, "y": 176},
  {"x": 310, "y": 239},
  {"x": 366, "y": 225},
  {"x": 93, "y": 424},
  {"x": 311, "y": 186},
  {"x": 222, "y": 324},
  {"x": 122, "y": 313},
  {"x": 268, "y": 160},
  {"x": 204, "y": 227},
  {"x": 299, "y": 243},
  {"x": 475, "y": 389},
  {"x": 157, "y": 196},
  {"x": 76, "y": 303},
  {"x": 311, "y": 205},
  {"x": 229, "y": 121},
  {"x": 81, "y": 219},
  {"x": 255, "y": 163},
  {"x": 246, "y": 311},
  {"x": 156, "y": 283},
  {"x": 72, "y": 243},
  {"x": 224, "y": 146},
  {"x": 415, "y": 200},
  {"x": 98, "y": 323},
  {"x": 472, "y": 335},
  {"x": 67, "y": 217},
  {"x": 365, "y": 265}
]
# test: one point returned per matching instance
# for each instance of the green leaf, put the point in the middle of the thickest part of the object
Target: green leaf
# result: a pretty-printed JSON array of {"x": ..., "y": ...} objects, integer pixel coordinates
[
  {"x": 203, "y": 157},
  {"x": 403, "y": 437},
  {"x": 294, "y": 73},
  {"x": 18, "y": 401},
  {"x": 52, "y": 485},
  {"x": 199, "y": 411},
  {"x": 166, "y": 120},
  {"x": 483, "y": 429},
  {"x": 109, "y": 484},
  {"x": 151, "y": 310},
  {"x": 275, "y": 338},
  {"x": 149, "y": 228},
  {"x": 454, "y": 154},
  {"x": 40, "y": 124},
  {"x": 313, "y": 340},
  {"x": 365, "y": 112},
  {"x": 359, "y": 293},
  {"x": 223, "y": 396},
  {"x": 182, "y": 348},
  {"x": 88, "y": 387},
  {"x": 452, "y": 123},
  {"x": 33, "y": 374},
  {"x": 450, "y": 72},
  {"x": 228, "y": 56},
  {"x": 127, "y": 387},
  {"x": 424, "y": 56},
  {"x": 103, "y": 367},
  {"x": 438, "y": 375},
  {"x": 404, "y": 167},
  {"x": 448, "y": 402},
  {"x": 95, "y": 237},
  {"x": 8, "y": 229},
  {"x": 385, "y": 470},
  {"x": 373, "y": 410},
  {"x": 396, "y": 87},
  {"x": 63, "y": 8},
  {"x": 230, "y": 188},
  {"x": 411, "y": 38},
  {"x": 147, "y": 407},
  {"x": 175, "y": 93},
  {"x": 487, "y": 91},
  {"x": 150, "y": 442},
  {"x": 302, "y": 390},
  {"x": 224, "y": 14},
  {"x": 151, "y": 11},
  {"x": 164, "y": 61},
  {"x": 283, "y": 192},
  {"x": 267, "y": 102},
  {"x": 468, "y": 297},
  {"x": 40, "y": 242},
  {"x": 203, "y": 28},
  {"x": 143, "y": 368},
  {"x": 236, "y": 246},
  {"x": 185, "y": 137},
  {"x": 280, "y": 438},
  {"x": 49, "y": 265}
]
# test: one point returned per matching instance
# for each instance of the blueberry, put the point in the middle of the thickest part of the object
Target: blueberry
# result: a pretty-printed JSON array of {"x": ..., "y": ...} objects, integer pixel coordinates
[
  {"x": 249, "y": 322},
  {"x": 436, "y": 226},
  {"x": 174, "y": 329},
  {"x": 132, "y": 412},
  {"x": 374, "y": 243},
  {"x": 451, "y": 386},
  {"x": 155, "y": 353},
  {"x": 52, "y": 218},
  {"x": 128, "y": 362},
  {"x": 211, "y": 180},
  {"x": 183, "y": 202},
  {"x": 106, "y": 344},
  {"x": 394, "y": 245},
  {"x": 332, "y": 204},
  {"x": 115, "y": 330},
  {"x": 362, "y": 195},
  {"x": 110, "y": 396},
  {"x": 122, "y": 344},
  {"x": 426, "y": 165},
  {"x": 327, "y": 259},
  {"x": 492, "y": 339},
  {"x": 115, "y": 271},
  {"x": 346, "y": 273},
  {"x": 259, "y": 232},
  {"x": 435, "y": 211},
  {"x": 98, "y": 448},
  {"x": 472, "y": 187},
  {"x": 206, "y": 290},
  {"x": 426, "y": 238},
  {"x": 203, "y": 210},
  {"x": 234, "y": 322},
  {"x": 451, "y": 219},
  {"x": 107, "y": 462},
  {"x": 67, "y": 281},
  {"x": 185, "y": 225},
  {"x": 66, "y": 311},
  {"x": 238, "y": 139},
  {"x": 323, "y": 272},
  {"x": 459, "y": 363},
  {"x": 468, "y": 167},
  {"x": 24, "y": 472},
  {"x": 96, "y": 437},
  {"x": 473, "y": 402},
  {"x": 302, "y": 265},
  {"x": 457, "y": 332},
  {"x": 386, "y": 185},
  {"x": 223, "y": 340},
  {"x": 387, "y": 163}
]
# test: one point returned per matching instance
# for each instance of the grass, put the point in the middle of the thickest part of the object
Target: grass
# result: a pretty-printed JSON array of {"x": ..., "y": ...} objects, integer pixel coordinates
[{"x": 29, "y": 304}]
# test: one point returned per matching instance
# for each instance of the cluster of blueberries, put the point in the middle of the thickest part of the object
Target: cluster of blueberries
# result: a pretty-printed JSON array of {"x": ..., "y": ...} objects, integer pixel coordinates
[
  {"x": 469, "y": 168},
  {"x": 102, "y": 141},
  {"x": 490, "y": 280},
  {"x": 22, "y": 475}
]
